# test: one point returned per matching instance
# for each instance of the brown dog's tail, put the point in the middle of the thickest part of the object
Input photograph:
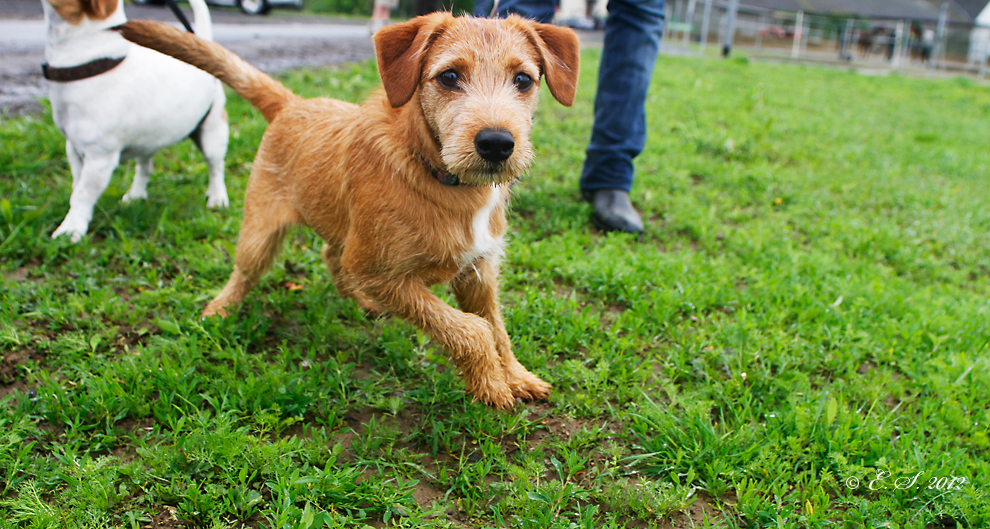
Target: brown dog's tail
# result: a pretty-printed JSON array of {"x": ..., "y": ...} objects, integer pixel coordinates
[{"x": 266, "y": 94}]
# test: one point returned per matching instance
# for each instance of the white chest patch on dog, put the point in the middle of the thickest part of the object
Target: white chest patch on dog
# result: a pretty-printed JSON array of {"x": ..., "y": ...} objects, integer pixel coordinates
[{"x": 483, "y": 242}]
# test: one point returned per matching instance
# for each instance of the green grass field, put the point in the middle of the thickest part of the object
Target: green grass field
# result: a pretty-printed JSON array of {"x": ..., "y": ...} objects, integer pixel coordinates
[{"x": 798, "y": 340}]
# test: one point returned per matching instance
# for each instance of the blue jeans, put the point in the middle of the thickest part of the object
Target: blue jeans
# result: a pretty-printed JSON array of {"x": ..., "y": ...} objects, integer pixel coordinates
[{"x": 632, "y": 40}]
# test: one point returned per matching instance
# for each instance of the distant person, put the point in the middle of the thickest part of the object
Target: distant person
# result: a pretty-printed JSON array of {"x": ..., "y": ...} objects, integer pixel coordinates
[
  {"x": 383, "y": 9},
  {"x": 380, "y": 14},
  {"x": 632, "y": 41},
  {"x": 589, "y": 10},
  {"x": 588, "y": 21}
]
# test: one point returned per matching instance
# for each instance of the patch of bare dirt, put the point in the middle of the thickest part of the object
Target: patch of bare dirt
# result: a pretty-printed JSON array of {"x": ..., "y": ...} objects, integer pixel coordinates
[
  {"x": 703, "y": 509},
  {"x": 166, "y": 519},
  {"x": 11, "y": 372},
  {"x": 18, "y": 275}
]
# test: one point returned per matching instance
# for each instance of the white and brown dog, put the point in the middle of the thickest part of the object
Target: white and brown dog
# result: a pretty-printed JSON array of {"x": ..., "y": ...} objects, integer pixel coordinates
[{"x": 115, "y": 101}]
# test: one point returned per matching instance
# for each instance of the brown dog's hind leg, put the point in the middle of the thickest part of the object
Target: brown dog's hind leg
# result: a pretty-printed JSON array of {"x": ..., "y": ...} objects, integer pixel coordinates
[
  {"x": 476, "y": 290},
  {"x": 266, "y": 219}
]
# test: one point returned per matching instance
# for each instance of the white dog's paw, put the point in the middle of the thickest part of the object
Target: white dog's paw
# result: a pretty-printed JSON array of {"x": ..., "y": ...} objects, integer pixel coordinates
[
  {"x": 216, "y": 199},
  {"x": 68, "y": 227},
  {"x": 134, "y": 195}
]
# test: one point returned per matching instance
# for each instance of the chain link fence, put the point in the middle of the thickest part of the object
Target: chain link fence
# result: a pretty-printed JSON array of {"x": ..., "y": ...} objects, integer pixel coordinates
[{"x": 934, "y": 42}]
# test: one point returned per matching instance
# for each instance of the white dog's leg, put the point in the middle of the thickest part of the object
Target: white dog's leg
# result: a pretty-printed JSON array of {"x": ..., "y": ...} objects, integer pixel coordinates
[
  {"x": 94, "y": 177},
  {"x": 211, "y": 138},
  {"x": 75, "y": 161},
  {"x": 139, "y": 187}
]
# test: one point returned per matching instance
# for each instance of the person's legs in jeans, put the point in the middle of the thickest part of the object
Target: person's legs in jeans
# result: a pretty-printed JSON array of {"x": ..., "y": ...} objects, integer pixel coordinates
[
  {"x": 632, "y": 40},
  {"x": 538, "y": 10}
]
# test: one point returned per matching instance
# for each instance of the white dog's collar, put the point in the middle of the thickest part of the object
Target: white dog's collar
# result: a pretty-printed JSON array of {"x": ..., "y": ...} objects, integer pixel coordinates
[{"x": 83, "y": 71}]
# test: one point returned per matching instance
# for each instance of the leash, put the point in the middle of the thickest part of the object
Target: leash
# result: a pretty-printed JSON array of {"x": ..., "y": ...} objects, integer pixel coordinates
[
  {"x": 174, "y": 6},
  {"x": 494, "y": 13}
]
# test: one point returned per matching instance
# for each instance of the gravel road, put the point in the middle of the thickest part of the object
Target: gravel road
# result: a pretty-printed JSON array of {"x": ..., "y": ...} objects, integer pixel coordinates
[{"x": 280, "y": 41}]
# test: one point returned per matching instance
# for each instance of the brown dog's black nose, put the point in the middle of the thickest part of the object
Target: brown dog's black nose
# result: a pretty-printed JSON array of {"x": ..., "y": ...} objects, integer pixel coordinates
[{"x": 494, "y": 145}]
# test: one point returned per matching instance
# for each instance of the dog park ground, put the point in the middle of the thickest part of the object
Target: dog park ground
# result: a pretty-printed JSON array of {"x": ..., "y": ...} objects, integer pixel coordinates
[{"x": 799, "y": 339}]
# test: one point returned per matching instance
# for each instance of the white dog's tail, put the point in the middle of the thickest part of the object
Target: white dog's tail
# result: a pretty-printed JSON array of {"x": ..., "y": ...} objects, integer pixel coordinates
[
  {"x": 202, "y": 23},
  {"x": 266, "y": 94}
]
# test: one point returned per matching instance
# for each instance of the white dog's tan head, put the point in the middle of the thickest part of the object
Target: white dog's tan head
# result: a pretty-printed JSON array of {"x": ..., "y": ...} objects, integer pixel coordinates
[
  {"x": 73, "y": 11},
  {"x": 478, "y": 83}
]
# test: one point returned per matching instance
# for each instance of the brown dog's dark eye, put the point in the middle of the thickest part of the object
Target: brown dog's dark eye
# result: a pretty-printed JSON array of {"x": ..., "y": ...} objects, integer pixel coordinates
[
  {"x": 523, "y": 82},
  {"x": 449, "y": 79}
]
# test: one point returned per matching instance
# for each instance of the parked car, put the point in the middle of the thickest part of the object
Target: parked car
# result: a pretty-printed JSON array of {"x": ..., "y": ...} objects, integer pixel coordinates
[{"x": 251, "y": 7}]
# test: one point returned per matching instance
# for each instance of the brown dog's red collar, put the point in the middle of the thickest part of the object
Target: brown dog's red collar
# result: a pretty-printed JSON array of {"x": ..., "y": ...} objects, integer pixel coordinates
[
  {"x": 83, "y": 71},
  {"x": 445, "y": 177}
]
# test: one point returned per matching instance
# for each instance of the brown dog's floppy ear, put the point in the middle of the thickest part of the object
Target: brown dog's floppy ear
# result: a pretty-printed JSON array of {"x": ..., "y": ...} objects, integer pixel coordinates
[
  {"x": 100, "y": 9},
  {"x": 400, "y": 49},
  {"x": 561, "y": 60}
]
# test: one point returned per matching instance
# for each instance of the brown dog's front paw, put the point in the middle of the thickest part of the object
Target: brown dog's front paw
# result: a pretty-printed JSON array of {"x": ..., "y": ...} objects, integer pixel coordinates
[
  {"x": 210, "y": 310},
  {"x": 528, "y": 386},
  {"x": 496, "y": 395}
]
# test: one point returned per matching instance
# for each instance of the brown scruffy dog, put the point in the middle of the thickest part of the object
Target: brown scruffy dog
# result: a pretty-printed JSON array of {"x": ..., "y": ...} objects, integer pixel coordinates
[{"x": 410, "y": 188}]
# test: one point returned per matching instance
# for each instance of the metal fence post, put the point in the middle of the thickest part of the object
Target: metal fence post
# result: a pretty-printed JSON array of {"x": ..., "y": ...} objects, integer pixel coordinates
[
  {"x": 898, "y": 37},
  {"x": 730, "y": 27},
  {"x": 939, "y": 37},
  {"x": 760, "y": 24},
  {"x": 983, "y": 57},
  {"x": 668, "y": 17},
  {"x": 705, "y": 18},
  {"x": 688, "y": 22},
  {"x": 846, "y": 38},
  {"x": 798, "y": 35},
  {"x": 906, "y": 46}
]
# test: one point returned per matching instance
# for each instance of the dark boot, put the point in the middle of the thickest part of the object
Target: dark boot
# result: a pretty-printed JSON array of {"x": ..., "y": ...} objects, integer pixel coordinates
[{"x": 613, "y": 211}]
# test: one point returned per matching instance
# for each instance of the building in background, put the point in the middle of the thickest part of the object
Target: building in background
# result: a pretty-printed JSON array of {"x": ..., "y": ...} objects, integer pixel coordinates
[
  {"x": 978, "y": 12},
  {"x": 913, "y": 9}
]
